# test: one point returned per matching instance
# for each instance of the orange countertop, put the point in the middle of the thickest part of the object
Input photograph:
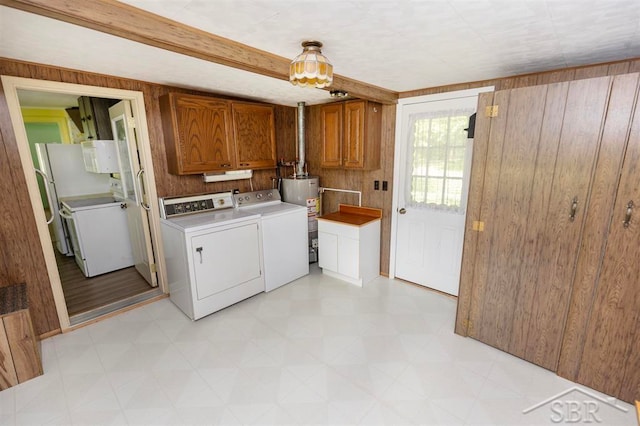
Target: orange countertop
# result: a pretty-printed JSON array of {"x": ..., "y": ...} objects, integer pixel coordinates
[{"x": 353, "y": 215}]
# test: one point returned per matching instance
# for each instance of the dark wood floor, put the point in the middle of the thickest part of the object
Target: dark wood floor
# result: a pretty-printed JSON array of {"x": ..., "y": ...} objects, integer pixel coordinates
[{"x": 85, "y": 294}]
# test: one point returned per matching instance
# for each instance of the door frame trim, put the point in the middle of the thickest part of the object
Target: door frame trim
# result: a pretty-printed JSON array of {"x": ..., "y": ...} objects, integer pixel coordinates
[
  {"x": 400, "y": 153},
  {"x": 11, "y": 86}
]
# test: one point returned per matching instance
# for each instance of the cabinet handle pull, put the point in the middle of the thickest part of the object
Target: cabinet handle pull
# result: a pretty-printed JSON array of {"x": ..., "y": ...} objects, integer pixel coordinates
[
  {"x": 574, "y": 208},
  {"x": 225, "y": 165},
  {"x": 627, "y": 216},
  {"x": 199, "y": 250}
]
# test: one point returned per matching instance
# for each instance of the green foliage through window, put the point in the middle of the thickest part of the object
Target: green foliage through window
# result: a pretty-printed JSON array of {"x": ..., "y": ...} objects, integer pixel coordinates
[{"x": 439, "y": 148}]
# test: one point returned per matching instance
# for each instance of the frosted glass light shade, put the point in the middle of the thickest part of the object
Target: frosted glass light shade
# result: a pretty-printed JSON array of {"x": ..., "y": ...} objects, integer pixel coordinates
[{"x": 311, "y": 68}]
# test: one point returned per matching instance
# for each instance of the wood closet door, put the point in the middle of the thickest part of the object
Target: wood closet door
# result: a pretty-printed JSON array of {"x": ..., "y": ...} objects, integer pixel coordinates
[
  {"x": 611, "y": 358},
  {"x": 541, "y": 153}
]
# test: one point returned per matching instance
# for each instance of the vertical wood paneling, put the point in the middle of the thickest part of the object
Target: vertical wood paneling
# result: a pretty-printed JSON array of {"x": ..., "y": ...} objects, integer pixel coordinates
[
  {"x": 31, "y": 267},
  {"x": 24, "y": 349},
  {"x": 23, "y": 260},
  {"x": 556, "y": 77},
  {"x": 286, "y": 132},
  {"x": 609, "y": 359},
  {"x": 506, "y": 216},
  {"x": 537, "y": 222},
  {"x": 476, "y": 185},
  {"x": 8, "y": 377},
  {"x": 584, "y": 113},
  {"x": 596, "y": 227},
  {"x": 21, "y": 253},
  {"x": 592, "y": 72}
]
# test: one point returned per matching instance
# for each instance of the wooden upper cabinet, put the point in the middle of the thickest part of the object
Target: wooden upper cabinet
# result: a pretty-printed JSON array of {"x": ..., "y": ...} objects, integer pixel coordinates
[
  {"x": 351, "y": 134},
  {"x": 332, "y": 135},
  {"x": 198, "y": 135},
  {"x": 254, "y": 134}
]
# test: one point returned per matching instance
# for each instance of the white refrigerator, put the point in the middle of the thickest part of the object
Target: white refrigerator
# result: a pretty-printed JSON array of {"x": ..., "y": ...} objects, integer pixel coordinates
[{"x": 64, "y": 172}]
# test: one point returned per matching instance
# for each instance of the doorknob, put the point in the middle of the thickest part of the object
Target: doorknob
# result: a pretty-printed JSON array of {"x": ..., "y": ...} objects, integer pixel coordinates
[
  {"x": 402, "y": 211},
  {"x": 627, "y": 216}
]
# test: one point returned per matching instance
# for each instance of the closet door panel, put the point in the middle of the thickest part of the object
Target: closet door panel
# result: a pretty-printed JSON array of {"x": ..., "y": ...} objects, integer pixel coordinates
[
  {"x": 545, "y": 164},
  {"x": 610, "y": 359},
  {"x": 560, "y": 226},
  {"x": 476, "y": 184},
  {"x": 598, "y": 219},
  {"x": 507, "y": 193}
]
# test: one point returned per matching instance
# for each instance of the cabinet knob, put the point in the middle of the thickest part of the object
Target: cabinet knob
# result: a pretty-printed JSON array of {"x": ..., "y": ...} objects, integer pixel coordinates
[{"x": 402, "y": 211}]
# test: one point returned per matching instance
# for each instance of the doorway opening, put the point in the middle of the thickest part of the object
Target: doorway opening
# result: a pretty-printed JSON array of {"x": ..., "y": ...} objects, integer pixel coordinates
[{"x": 97, "y": 228}]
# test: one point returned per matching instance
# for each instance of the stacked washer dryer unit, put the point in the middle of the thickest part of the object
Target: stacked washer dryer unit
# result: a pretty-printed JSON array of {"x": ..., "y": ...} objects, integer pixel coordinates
[{"x": 304, "y": 191}]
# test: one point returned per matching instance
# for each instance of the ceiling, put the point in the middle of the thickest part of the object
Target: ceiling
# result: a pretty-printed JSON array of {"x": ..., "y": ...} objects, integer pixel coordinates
[{"x": 401, "y": 45}]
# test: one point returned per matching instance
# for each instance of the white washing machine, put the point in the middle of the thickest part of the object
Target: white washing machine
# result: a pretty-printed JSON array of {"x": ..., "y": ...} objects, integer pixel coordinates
[
  {"x": 212, "y": 251},
  {"x": 284, "y": 235}
]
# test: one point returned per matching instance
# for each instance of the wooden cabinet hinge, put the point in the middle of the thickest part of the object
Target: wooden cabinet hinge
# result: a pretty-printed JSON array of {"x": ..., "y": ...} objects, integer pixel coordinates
[
  {"x": 491, "y": 111},
  {"x": 477, "y": 225}
]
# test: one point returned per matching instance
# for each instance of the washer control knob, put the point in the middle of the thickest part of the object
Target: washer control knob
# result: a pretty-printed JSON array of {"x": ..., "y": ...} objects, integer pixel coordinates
[
  {"x": 258, "y": 196},
  {"x": 270, "y": 195}
]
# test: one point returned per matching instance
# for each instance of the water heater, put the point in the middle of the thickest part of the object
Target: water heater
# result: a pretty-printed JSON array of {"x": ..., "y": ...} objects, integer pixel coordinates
[{"x": 304, "y": 191}]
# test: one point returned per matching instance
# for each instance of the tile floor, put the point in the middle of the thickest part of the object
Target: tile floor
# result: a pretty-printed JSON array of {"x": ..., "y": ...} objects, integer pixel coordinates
[{"x": 317, "y": 351}]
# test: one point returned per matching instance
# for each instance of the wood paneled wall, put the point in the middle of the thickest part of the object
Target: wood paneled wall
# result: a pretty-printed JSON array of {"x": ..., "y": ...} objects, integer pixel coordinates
[
  {"x": 546, "y": 77},
  {"x": 22, "y": 259},
  {"x": 356, "y": 180}
]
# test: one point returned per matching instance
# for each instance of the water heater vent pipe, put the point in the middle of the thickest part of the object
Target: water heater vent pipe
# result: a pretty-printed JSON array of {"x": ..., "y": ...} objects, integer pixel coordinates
[{"x": 301, "y": 142}]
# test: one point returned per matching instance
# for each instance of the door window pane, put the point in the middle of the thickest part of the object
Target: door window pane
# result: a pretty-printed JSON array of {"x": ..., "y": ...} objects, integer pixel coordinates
[{"x": 438, "y": 154}]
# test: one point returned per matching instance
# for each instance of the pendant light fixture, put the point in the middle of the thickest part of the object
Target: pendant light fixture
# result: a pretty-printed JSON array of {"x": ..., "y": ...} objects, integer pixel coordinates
[{"x": 311, "y": 68}]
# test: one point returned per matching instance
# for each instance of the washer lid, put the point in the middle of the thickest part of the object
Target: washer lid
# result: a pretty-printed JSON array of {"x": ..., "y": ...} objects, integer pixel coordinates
[
  {"x": 88, "y": 203},
  {"x": 272, "y": 208},
  {"x": 210, "y": 219}
]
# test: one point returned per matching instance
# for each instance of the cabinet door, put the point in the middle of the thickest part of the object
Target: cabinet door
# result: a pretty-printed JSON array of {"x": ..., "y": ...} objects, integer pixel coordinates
[
  {"x": 349, "y": 257},
  {"x": 354, "y": 134},
  {"x": 328, "y": 251},
  {"x": 332, "y": 135},
  {"x": 540, "y": 158},
  {"x": 224, "y": 259},
  {"x": 86, "y": 116},
  {"x": 197, "y": 134},
  {"x": 254, "y": 132},
  {"x": 610, "y": 361}
]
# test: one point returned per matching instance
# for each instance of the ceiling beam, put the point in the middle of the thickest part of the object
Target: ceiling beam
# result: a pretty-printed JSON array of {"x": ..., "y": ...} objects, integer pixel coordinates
[{"x": 126, "y": 21}]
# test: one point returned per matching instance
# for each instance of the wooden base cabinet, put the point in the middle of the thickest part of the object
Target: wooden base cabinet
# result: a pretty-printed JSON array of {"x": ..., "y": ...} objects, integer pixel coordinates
[
  {"x": 349, "y": 244},
  {"x": 552, "y": 276},
  {"x": 351, "y": 133}
]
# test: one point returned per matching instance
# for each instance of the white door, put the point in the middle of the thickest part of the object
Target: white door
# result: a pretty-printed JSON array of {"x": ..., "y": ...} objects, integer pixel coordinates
[
  {"x": 133, "y": 188},
  {"x": 434, "y": 164}
]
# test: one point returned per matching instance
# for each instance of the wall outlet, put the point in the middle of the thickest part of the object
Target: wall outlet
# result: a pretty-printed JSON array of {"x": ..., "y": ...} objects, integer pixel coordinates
[
  {"x": 376, "y": 185},
  {"x": 385, "y": 185}
]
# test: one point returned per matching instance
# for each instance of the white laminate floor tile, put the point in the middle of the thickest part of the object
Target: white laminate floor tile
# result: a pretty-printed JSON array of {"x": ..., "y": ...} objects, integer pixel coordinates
[{"x": 316, "y": 352}]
